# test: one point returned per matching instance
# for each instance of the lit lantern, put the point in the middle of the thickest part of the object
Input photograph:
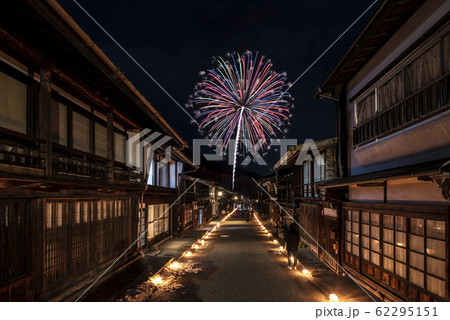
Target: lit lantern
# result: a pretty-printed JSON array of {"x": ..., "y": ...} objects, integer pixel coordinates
[
  {"x": 281, "y": 247},
  {"x": 195, "y": 246},
  {"x": 334, "y": 298},
  {"x": 188, "y": 253},
  {"x": 306, "y": 272},
  {"x": 202, "y": 241},
  {"x": 174, "y": 265},
  {"x": 275, "y": 241}
]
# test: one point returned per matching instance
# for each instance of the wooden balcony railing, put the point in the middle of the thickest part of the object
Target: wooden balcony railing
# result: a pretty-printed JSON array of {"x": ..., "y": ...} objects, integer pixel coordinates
[
  {"x": 124, "y": 173},
  {"x": 417, "y": 107},
  {"x": 21, "y": 150},
  {"x": 70, "y": 162}
]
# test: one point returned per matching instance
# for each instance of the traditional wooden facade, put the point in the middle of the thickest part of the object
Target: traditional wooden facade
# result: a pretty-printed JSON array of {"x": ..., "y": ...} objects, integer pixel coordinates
[
  {"x": 199, "y": 204},
  {"x": 310, "y": 206},
  {"x": 266, "y": 207},
  {"x": 392, "y": 92},
  {"x": 69, "y": 204}
]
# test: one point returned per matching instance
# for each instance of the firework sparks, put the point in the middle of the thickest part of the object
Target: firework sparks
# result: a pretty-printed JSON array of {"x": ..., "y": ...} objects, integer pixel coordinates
[{"x": 242, "y": 97}]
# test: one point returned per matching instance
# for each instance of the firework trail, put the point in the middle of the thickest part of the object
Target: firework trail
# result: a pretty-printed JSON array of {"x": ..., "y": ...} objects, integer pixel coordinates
[{"x": 242, "y": 94}]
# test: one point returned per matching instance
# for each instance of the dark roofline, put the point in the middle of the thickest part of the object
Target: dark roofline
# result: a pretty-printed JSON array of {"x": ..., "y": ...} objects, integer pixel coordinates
[
  {"x": 294, "y": 150},
  {"x": 393, "y": 13},
  {"x": 62, "y": 21}
]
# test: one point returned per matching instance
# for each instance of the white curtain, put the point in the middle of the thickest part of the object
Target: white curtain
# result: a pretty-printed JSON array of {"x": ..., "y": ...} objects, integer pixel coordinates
[
  {"x": 119, "y": 147},
  {"x": 163, "y": 175},
  {"x": 13, "y": 104},
  {"x": 446, "y": 53},
  {"x": 101, "y": 140},
  {"x": 173, "y": 175},
  {"x": 59, "y": 123},
  {"x": 390, "y": 92},
  {"x": 423, "y": 70},
  {"x": 80, "y": 132},
  {"x": 179, "y": 170},
  {"x": 365, "y": 108}
]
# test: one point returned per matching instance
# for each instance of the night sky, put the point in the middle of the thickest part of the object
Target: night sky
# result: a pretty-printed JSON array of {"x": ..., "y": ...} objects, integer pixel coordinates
[{"x": 174, "y": 40}]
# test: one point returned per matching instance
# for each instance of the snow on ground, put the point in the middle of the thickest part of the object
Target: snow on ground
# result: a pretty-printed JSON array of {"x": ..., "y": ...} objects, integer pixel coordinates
[{"x": 168, "y": 281}]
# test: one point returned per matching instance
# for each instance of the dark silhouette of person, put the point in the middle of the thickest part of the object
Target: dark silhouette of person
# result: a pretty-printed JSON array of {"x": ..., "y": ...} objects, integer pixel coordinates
[{"x": 292, "y": 239}]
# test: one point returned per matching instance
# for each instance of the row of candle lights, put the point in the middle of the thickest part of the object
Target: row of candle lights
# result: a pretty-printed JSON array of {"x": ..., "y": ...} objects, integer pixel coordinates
[
  {"x": 157, "y": 279},
  {"x": 175, "y": 265},
  {"x": 305, "y": 272}
]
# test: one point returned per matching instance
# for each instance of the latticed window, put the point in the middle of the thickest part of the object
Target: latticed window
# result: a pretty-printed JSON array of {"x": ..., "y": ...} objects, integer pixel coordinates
[
  {"x": 80, "y": 235},
  {"x": 15, "y": 240},
  {"x": 158, "y": 216},
  {"x": 412, "y": 249}
]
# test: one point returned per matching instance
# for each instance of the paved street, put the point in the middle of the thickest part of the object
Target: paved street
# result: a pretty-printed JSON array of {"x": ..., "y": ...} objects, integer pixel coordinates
[{"x": 239, "y": 263}]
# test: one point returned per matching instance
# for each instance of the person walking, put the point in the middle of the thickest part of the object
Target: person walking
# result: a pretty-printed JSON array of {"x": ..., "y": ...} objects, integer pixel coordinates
[{"x": 292, "y": 239}]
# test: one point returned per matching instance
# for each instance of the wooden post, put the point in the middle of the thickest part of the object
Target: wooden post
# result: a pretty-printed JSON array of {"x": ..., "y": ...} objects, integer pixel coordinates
[
  {"x": 37, "y": 215},
  {"x": 110, "y": 145},
  {"x": 45, "y": 104}
]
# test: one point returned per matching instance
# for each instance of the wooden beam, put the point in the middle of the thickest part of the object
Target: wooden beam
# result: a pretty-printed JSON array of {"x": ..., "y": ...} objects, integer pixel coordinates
[
  {"x": 110, "y": 145},
  {"x": 45, "y": 105}
]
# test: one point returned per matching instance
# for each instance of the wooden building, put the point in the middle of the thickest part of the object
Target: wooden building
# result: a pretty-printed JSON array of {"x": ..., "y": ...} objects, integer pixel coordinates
[
  {"x": 199, "y": 204},
  {"x": 310, "y": 206},
  {"x": 69, "y": 204},
  {"x": 392, "y": 92},
  {"x": 266, "y": 207}
]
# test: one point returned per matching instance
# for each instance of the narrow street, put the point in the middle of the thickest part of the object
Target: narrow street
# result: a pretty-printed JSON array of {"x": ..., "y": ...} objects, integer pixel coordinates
[{"x": 239, "y": 263}]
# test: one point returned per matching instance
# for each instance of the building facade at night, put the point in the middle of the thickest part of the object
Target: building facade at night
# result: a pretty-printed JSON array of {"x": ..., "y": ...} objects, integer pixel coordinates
[
  {"x": 69, "y": 204},
  {"x": 392, "y": 100},
  {"x": 311, "y": 207}
]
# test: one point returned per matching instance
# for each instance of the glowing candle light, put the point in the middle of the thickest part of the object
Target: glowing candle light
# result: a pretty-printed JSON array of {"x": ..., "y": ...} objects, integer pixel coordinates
[
  {"x": 195, "y": 246},
  {"x": 188, "y": 253},
  {"x": 334, "y": 298},
  {"x": 157, "y": 280},
  {"x": 306, "y": 272},
  {"x": 281, "y": 247},
  {"x": 175, "y": 265}
]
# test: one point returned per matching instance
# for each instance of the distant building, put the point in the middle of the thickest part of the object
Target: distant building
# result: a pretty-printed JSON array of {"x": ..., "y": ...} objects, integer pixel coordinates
[
  {"x": 392, "y": 92},
  {"x": 69, "y": 204},
  {"x": 266, "y": 206},
  {"x": 200, "y": 202}
]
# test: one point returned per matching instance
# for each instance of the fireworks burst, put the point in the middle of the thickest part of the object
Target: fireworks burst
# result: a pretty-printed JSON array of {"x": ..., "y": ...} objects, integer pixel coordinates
[{"x": 242, "y": 97}]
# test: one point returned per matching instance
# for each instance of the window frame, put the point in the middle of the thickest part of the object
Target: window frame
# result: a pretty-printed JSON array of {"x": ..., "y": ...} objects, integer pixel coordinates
[
  {"x": 407, "y": 231},
  {"x": 403, "y": 113}
]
